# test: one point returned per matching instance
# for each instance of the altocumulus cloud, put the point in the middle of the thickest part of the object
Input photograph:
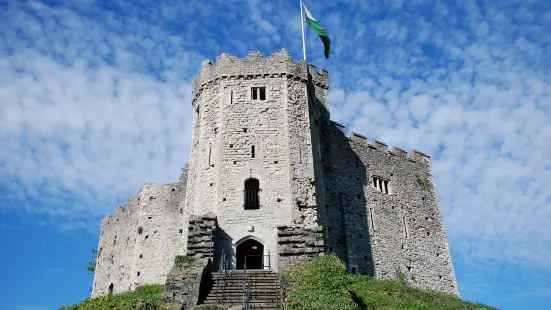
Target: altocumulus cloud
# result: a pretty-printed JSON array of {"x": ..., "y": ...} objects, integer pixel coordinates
[{"x": 95, "y": 101}]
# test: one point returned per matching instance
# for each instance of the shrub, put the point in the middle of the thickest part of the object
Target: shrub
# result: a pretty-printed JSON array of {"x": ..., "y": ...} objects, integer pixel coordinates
[
  {"x": 319, "y": 284},
  {"x": 91, "y": 266},
  {"x": 143, "y": 298},
  {"x": 424, "y": 183},
  {"x": 140, "y": 230},
  {"x": 185, "y": 261}
]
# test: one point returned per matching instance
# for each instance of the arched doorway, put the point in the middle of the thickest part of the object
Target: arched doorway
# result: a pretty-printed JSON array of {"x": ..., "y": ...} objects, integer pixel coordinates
[{"x": 253, "y": 250}]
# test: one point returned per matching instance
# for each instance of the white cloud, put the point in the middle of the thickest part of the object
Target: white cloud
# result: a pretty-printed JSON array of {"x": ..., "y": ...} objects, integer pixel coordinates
[{"x": 90, "y": 110}]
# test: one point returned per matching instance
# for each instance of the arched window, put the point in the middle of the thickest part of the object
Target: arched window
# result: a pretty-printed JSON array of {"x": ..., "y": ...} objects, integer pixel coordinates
[
  {"x": 110, "y": 289},
  {"x": 252, "y": 192}
]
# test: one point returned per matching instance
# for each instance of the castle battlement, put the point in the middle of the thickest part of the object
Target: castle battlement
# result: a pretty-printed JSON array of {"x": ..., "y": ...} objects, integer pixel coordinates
[
  {"x": 278, "y": 64},
  {"x": 361, "y": 140}
]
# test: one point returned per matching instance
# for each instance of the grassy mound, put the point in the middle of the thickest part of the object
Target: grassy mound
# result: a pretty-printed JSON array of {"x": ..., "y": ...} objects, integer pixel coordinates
[
  {"x": 322, "y": 283},
  {"x": 145, "y": 297}
]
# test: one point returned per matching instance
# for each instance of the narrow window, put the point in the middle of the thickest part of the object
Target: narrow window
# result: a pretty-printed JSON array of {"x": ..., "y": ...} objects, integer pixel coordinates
[
  {"x": 210, "y": 152},
  {"x": 252, "y": 151},
  {"x": 231, "y": 96},
  {"x": 372, "y": 221},
  {"x": 405, "y": 226},
  {"x": 262, "y": 93},
  {"x": 254, "y": 93},
  {"x": 252, "y": 191},
  {"x": 110, "y": 289}
]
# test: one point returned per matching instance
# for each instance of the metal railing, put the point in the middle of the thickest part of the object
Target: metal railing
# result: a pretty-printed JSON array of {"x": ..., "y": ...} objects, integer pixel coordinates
[
  {"x": 221, "y": 267},
  {"x": 252, "y": 201},
  {"x": 248, "y": 304},
  {"x": 247, "y": 288}
]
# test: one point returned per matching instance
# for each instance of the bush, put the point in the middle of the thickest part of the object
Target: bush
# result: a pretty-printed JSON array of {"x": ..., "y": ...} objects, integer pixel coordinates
[
  {"x": 145, "y": 297},
  {"x": 319, "y": 284},
  {"x": 182, "y": 260}
]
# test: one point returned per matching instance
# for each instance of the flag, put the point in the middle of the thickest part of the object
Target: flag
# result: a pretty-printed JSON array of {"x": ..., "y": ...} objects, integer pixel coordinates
[{"x": 313, "y": 23}]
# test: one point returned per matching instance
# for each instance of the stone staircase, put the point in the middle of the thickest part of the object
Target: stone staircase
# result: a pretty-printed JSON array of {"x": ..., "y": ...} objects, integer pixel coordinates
[{"x": 264, "y": 289}]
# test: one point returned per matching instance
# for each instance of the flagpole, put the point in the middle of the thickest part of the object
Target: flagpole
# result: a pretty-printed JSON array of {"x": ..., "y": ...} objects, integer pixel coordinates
[{"x": 302, "y": 24}]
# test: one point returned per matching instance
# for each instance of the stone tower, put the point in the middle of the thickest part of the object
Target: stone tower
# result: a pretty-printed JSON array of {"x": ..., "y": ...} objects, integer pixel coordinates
[
  {"x": 279, "y": 182},
  {"x": 252, "y": 125}
]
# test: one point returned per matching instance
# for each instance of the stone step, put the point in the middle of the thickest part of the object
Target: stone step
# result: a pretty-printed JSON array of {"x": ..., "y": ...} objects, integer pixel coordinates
[
  {"x": 232, "y": 292},
  {"x": 240, "y": 287},
  {"x": 255, "y": 278},
  {"x": 239, "y": 300},
  {"x": 237, "y": 305}
]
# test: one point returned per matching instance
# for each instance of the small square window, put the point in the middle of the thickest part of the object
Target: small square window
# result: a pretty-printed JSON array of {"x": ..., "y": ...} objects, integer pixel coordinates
[{"x": 258, "y": 93}]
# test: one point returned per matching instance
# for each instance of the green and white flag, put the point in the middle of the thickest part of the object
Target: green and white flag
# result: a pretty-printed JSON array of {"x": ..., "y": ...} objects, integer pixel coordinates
[{"x": 313, "y": 23}]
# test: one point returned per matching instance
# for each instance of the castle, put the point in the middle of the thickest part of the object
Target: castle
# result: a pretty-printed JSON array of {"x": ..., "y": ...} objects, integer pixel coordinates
[{"x": 283, "y": 183}]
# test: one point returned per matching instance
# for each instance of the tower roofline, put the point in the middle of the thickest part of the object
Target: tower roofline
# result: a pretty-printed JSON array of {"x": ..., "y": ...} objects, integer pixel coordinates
[{"x": 278, "y": 64}]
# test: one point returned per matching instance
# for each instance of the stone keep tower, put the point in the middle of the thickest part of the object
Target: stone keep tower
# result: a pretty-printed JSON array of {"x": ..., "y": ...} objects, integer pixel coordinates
[
  {"x": 252, "y": 162},
  {"x": 281, "y": 183}
]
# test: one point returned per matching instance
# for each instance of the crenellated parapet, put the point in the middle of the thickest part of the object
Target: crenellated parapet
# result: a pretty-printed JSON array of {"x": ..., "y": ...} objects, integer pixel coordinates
[
  {"x": 254, "y": 65},
  {"x": 360, "y": 140}
]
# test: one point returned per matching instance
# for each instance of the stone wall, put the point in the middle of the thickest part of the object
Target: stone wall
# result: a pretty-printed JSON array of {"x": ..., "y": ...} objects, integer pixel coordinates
[
  {"x": 187, "y": 281},
  {"x": 376, "y": 231},
  {"x": 127, "y": 257},
  {"x": 298, "y": 244}
]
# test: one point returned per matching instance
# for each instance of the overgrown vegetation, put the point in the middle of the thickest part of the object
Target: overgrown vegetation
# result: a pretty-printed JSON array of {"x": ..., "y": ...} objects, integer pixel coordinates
[
  {"x": 322, "y": 283},
  {"x": 145, "y": 297},
  {"x": 185, "y": 261},
  {"x": 424, "y": 183},
  {"x": 140, "y": 230},
  {"x": 319, "y": 284},
  {"x": 91, "y": 267}
]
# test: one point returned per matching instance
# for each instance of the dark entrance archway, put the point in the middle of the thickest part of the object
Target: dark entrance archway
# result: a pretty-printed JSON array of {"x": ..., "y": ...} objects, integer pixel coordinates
[{"x": 254, "y": 251}]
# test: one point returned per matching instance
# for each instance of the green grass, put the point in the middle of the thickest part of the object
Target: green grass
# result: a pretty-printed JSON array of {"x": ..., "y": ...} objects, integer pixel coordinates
[
  {"x": 322, "y": 283},
  {"x": 145, "y": 297}
]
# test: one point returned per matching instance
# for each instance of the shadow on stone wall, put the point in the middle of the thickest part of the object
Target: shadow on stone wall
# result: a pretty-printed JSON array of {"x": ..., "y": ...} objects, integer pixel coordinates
[
  {"x": 223, "y": 246},
  {"x": 344, "y": 215}
]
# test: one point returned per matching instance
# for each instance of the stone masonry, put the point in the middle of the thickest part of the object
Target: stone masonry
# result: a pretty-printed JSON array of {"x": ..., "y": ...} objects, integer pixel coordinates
[{"x": 267, "y": 119}]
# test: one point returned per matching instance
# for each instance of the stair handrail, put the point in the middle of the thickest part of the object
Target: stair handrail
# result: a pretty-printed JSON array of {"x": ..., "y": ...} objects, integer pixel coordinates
[
  {"x": 221, "y": 268},
  {"x": 277, "y": 292},
  {"x": 248, "y": 297},
  {"x": 244, "y": 279}
]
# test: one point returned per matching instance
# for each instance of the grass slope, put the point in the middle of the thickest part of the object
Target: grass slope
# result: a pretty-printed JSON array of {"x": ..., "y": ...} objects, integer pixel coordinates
[
  {"x": 323, "y": 284},
  {"x": 145, "y": 297}
]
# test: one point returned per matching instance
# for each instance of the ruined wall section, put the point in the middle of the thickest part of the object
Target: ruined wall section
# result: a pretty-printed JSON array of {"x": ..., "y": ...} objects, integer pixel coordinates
[
  {"x": 402, "y": 228},
  {"x": 117, "y": 243},
  {"x": 128, "y": 257},
  {"x": 161, "y": 224}
]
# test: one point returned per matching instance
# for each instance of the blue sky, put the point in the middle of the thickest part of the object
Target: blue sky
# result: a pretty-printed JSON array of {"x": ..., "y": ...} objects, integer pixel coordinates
[{"x": 95, "y": 101}]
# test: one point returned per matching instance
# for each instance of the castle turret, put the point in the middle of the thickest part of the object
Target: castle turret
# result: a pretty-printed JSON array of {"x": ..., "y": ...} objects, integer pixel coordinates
[{"x": 252, "y": 161}]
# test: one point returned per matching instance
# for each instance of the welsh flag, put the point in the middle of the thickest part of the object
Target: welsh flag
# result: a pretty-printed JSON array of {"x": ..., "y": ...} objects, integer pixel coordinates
[{"x": 313, "y": 23}]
